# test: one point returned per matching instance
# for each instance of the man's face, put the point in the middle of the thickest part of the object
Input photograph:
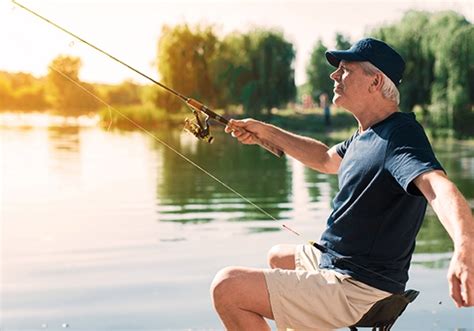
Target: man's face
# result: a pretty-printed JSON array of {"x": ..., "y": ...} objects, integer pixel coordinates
[{"x": 351, "y": 85}]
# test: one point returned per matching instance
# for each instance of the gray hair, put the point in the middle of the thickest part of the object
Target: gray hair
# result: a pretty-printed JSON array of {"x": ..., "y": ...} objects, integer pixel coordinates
[{"x": 389, "y": 90}]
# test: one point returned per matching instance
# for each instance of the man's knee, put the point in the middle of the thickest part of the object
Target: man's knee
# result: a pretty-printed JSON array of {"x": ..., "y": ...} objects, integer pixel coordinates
[
  {"x": 224, "y": 286},
  {"x": 282, "y": 256},
  {"x": 237, "y": 289}
]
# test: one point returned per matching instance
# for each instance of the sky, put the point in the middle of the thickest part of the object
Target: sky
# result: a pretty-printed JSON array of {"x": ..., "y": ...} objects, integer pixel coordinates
[{"x": 130, "y": 29}]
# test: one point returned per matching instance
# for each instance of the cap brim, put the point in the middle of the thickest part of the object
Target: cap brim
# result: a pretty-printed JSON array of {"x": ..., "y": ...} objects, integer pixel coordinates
[{"x": 334, "y": 57}]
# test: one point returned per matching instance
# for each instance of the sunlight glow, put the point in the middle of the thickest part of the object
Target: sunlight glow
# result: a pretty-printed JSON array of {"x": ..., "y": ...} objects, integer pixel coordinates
[{"x": 130, "y": 29}]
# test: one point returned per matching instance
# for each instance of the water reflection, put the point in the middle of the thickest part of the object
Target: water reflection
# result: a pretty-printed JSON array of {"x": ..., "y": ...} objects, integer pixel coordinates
[
  {"x": 457, "y": 157},
  {"x": 186, "y": 194}
]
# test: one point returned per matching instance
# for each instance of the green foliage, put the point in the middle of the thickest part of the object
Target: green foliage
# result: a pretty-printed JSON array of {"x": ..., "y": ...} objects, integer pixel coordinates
[
  {"x": 461, "y": 80},
  {"x": 342, "y": 41},
  {"x": 183, "y": 59},
  {"x": 256, "y": 70},
  {"x": 439, "y": 75},
  {"x": 253, "y": 69},
  {"x": 64, "y": 87},
  {"x": 318, "y": 72},
  {"x": 274, "y": 57}
]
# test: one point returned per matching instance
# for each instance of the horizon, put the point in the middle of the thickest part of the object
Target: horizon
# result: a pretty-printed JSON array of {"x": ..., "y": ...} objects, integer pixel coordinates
[{"x": 25, "y": 35}]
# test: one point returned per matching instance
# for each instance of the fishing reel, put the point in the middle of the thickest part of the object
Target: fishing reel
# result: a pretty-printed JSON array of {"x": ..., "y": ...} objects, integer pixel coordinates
[{"x": 198, "y": 129}]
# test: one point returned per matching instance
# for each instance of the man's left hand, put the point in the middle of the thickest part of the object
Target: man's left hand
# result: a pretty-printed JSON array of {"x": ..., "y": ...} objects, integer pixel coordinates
[{"x": 461, "y": 275}]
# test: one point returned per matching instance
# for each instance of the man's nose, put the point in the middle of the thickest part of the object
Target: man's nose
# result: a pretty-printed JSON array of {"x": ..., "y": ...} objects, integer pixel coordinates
[{"x": 335, "y": 75}]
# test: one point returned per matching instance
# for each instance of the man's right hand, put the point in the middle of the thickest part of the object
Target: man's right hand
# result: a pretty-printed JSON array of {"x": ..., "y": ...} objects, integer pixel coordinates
[{"x": 247, "y": 130}]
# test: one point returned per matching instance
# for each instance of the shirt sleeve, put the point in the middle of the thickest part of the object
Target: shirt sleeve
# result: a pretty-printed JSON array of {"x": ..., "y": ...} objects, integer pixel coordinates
[
  {"x": 342, "y": 147},
  {"x": 409, "y": 154}
]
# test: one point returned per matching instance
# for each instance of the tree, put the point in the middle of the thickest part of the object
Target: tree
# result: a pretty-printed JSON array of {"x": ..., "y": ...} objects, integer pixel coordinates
[
  {"x": 437, "y": 49},
  {"x": 64, "y": 87},
  {"x": 342, "y": 41},
  {"x": 183, "y": 59},
  {"x": 448, "y": 72},
  {"x": 461, "y": 80},
  {"x": 277, "y": 78},
  {"x": 255, "y": 70},
  {"x": 318, "y": 72}
]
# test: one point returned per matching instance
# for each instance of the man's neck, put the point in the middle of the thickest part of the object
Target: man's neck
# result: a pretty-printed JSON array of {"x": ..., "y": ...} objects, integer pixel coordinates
[{"x": 373, "y": 115}]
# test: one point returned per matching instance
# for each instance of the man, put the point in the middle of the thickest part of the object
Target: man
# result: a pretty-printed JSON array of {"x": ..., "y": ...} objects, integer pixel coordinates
[{"x": 387, "y": 174}]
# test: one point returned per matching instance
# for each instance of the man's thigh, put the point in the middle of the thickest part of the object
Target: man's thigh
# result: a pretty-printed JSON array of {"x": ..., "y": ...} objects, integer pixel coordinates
[{"x": 246, "y": 288}]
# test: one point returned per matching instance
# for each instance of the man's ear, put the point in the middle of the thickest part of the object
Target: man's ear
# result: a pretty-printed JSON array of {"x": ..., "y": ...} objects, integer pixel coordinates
[{"x": 377, "y": 82}]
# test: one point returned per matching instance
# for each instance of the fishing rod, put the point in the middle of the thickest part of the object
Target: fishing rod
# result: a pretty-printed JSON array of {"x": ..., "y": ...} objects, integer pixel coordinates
[{"x": 199, "y": 126}]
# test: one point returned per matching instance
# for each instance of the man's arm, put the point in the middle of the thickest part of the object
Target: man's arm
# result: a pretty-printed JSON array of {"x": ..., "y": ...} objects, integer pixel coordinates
[
  {"x": 455, "y": 214},
  {"x": 311, "y": 152}
]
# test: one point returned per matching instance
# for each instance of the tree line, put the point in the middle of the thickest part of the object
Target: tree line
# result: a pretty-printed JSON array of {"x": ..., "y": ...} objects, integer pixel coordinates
[{"x": 255, "y": 71}]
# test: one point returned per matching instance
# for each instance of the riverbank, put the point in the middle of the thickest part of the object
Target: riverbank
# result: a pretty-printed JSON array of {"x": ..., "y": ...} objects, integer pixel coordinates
[{"x": 309, "y": 122}]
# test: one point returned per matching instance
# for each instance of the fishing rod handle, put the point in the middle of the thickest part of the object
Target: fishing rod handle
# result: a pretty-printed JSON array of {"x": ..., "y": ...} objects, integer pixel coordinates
[
  {"x": 269, "y": 147},
  {"x": 263, "y": 143}
]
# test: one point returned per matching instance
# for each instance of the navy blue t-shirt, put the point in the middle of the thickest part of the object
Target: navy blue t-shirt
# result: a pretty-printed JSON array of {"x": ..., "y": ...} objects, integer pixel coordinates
[{"x": 378, "y": 210}]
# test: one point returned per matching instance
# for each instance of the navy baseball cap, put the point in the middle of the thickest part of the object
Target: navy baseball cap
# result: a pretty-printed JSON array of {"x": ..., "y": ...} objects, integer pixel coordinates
[{"x": 381, "y": 55}]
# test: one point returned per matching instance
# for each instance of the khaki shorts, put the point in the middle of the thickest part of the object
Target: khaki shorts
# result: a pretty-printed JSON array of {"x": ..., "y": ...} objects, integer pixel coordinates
[{"x": 310, "y": 298}]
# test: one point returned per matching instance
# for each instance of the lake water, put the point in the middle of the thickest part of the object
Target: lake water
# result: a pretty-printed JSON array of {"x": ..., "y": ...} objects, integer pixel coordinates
[{"x": 113, "y": 231}]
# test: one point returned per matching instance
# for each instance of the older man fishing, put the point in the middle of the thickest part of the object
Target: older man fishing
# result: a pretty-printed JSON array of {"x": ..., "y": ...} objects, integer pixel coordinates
[{"x": 387, "y": 174}]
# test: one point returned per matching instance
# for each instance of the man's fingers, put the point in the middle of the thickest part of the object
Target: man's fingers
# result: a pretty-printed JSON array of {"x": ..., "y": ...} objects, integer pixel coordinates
[
  {"x": 249, "y": 139},
  {"x": 455, "y": 290},
  {"x": 467, "y": 294},
  {"x": 236, "y": 123},
  {"x": 241, "y": 129},
  {"x": 244, "y": 137},
  {"x": 239, "y": 134}
]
